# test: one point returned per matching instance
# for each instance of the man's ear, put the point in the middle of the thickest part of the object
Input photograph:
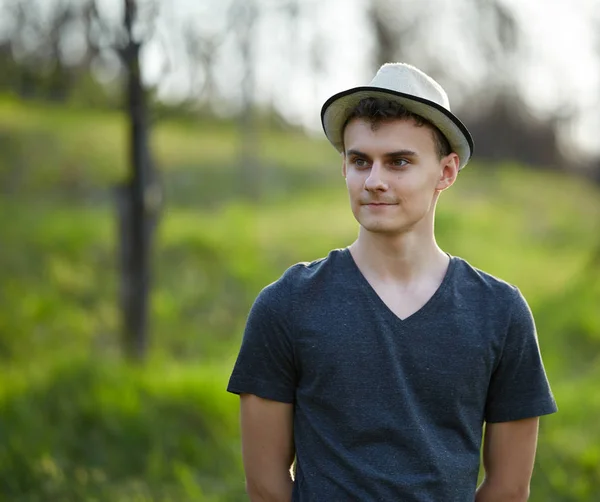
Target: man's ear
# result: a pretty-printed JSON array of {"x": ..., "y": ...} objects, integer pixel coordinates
[{"x": 450, "y": 165}]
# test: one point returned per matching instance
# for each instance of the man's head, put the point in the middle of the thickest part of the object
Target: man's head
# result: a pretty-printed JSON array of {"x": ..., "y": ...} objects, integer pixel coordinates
[{"x": 401, "y": 147}]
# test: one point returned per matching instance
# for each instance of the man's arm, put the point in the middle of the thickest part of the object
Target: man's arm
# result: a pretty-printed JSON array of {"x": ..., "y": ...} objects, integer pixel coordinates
[
  {"x": 267, "y": 448},
  {"x": 508, "y": 457}
]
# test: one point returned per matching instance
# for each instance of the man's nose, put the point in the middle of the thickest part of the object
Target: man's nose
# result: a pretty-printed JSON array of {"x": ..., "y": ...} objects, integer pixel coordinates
[{"x": 375, "y": 182}]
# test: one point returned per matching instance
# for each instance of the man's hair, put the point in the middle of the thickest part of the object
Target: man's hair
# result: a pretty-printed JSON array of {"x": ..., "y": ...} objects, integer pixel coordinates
[{"x": 379, "y": 110}]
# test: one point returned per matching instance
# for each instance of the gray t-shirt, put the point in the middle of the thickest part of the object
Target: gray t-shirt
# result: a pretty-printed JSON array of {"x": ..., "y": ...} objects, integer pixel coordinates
[{"x": 388, "y": 409}]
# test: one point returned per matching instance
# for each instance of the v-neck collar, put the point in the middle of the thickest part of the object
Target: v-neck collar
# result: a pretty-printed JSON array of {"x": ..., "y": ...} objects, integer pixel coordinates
[{"x": 374, "y": 296}]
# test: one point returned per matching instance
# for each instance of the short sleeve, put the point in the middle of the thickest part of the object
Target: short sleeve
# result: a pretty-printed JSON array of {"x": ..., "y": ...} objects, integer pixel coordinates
[
  {"x": 265, "y": 364},
  {"x": 519, "y": 386}
]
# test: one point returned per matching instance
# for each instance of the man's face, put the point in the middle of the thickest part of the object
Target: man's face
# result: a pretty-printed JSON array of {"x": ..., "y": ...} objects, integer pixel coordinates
[{"x": 394, "y": 174}]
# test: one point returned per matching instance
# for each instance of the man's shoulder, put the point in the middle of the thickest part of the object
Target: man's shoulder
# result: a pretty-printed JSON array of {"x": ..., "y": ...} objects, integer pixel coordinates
[
  {"x": 479, "y": 282},
  {"x": 305, "y": 275}
]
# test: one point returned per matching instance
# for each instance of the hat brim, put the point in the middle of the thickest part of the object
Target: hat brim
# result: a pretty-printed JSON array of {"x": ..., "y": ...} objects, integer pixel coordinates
[{"x": 337, "y": 108}]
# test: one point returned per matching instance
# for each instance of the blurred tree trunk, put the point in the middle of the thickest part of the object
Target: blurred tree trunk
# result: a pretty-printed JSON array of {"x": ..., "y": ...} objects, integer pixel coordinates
[
  {"x": 138, "y": 203},
  {"x": 386, "y": 43},
  {"x": 201, "y": 49},
  {"x": 596, "y": 255},
  {"x": 393, "y": 29},
  {"x": 244, "y": 17}
]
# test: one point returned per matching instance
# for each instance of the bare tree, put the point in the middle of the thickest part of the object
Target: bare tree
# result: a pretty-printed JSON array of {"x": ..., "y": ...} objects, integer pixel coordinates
[
  {"x": 496, "y": 40},
  {"x": 243, "y": 19},
  {"x": 392, "y": 30},
  {"x": 41, "y": 43},
  {"x": 501, "y": 123},
  {"x": 201, "y": 50},
  {"x": 594, "y": 263},
  {"x": 386, "y": 44},
  {"x": 139, "y": 197}
]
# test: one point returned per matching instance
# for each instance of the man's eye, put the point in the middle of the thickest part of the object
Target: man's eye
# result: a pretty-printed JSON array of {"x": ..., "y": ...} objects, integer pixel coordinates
[
  {"x": 399, "y": 162},
  {"x": 360, "y": 163}
]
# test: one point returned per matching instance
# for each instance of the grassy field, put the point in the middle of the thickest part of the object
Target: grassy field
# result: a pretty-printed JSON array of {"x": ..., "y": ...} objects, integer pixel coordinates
[{"x": 77, "y": 423}]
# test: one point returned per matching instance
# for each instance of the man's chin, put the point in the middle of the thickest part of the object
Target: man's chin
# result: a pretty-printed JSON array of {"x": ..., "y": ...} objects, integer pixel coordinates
[{"x": 383, "y": 227}]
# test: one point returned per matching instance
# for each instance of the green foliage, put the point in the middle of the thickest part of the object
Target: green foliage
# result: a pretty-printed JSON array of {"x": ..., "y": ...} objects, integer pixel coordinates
[
  {"x": 92, "y": 430},
  {"x": 77, "y": 424}
]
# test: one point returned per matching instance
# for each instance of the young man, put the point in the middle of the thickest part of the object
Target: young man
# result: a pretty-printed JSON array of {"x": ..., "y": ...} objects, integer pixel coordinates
[{"x": 376, "y": 367}]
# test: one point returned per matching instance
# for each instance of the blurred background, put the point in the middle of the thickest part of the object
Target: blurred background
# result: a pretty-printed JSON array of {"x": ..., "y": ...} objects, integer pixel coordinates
[{"x": 161, "y": 162}]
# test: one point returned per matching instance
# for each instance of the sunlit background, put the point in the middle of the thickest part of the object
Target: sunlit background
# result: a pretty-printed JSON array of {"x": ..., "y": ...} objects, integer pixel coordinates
[{"x": 161, "y": 162}]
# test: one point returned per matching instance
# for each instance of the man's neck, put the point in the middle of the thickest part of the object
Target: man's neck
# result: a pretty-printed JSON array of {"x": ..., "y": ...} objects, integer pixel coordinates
[{"x": 402, "y": 259}]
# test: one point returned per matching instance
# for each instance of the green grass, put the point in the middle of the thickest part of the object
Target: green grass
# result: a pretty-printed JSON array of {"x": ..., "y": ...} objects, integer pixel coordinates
[
  {"x": 91, "y": 431},
  {"x": 76, "y": 423},
  {"x": 92, "y": 149}
]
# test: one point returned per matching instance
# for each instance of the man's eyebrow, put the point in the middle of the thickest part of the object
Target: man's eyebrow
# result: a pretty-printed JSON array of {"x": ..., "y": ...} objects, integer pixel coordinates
[
  {"x": 402, "y": 153},
  {"x": 398, "y": 153},
  {"x": 357, "y": 153}
]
